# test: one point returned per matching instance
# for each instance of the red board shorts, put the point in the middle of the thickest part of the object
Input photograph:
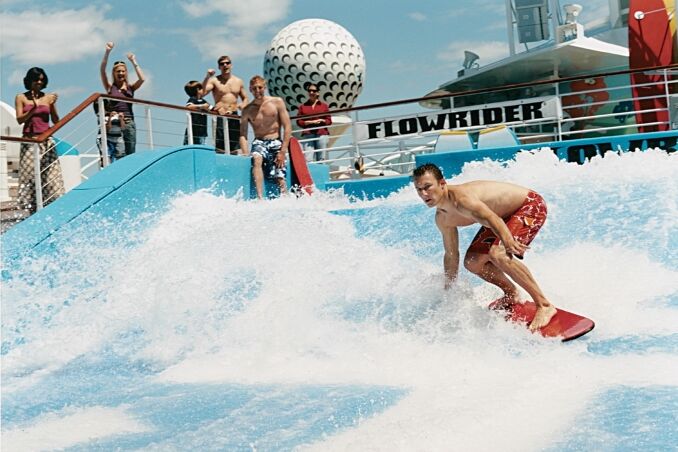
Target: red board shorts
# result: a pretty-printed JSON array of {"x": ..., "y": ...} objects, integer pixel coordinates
[{"x": 523, "y": 224}]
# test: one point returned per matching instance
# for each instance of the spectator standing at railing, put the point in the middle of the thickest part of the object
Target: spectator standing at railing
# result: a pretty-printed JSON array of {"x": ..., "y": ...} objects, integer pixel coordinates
[
  {"x": 226, "y": 89},
  {"x": 34, "y": 109},
  {"x": 120, "y": 87},
  {"x": 198, "y": 120},
  {"x": 314, "y": 136},
  {"x": 268, "y": 115}
]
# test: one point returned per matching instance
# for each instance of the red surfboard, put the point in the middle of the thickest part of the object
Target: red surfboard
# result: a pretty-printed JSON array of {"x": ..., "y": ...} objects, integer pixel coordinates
[
  {"x": 564, "y": 324},
  {"x": 650, "y": 44},
  {"x": 300, "y": 175}
]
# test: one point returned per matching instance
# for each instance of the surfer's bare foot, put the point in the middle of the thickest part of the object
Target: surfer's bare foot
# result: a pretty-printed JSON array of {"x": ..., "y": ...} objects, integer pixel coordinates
[{"x": 542, "y": 317}]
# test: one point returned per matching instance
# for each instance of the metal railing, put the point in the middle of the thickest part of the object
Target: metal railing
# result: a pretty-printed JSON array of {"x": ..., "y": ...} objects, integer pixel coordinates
[
  {"x": 383, "y": 139},
  {"x": 609, "y": 107}
]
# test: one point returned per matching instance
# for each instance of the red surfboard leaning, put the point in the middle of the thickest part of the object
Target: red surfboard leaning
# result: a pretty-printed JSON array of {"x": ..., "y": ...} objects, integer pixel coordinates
[
  {"x": 564, "y": 325},
  {"x": 300, "y": 174},
  {"x": 650, "y": 44}
]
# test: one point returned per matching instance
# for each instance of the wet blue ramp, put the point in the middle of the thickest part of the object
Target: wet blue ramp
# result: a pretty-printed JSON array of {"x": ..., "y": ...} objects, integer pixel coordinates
[{"x": 138, "y": 185}]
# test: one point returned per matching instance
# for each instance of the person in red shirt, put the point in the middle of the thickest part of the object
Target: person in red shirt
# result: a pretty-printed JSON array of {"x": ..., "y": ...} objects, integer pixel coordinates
[{"x": 314, "y": 134}]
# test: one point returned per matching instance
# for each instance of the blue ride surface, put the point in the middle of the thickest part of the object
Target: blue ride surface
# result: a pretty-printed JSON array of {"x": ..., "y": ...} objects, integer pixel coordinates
[{"x": 155, "y": 307}]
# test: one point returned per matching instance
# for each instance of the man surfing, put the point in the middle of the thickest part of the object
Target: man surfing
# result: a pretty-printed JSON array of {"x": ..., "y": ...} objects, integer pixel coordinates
[{"x": 510, "y": 216}]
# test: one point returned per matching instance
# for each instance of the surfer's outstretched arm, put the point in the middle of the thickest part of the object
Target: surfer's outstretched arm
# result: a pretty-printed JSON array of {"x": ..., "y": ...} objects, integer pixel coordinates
[{"x": 451, "y": 244}]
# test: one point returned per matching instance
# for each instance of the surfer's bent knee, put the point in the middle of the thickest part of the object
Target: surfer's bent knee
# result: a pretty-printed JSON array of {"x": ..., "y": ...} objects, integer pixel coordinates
[
  {"x": 474, "y": 262},
  {"x": 497, "y": 255}
]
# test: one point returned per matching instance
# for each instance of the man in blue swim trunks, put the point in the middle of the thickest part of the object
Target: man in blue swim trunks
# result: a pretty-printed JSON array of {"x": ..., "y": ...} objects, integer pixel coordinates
[{"x": 268, "y": 115}]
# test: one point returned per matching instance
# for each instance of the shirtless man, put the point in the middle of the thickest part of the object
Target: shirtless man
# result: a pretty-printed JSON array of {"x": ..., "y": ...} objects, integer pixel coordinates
[
  {"x": 226, "y": 88},
  {"x": 267, "y": 115},
  {"x": 510, "y": 216}
]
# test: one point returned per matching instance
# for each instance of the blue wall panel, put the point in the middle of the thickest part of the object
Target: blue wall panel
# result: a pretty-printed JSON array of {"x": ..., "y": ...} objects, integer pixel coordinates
[
  {"x": 320, "y": 175},
  {"x": 30, "y": 232},
  {"x": 140, "y": 184},
  {"x": 146, "y": 181},
  {"x": 370, "y": 188},
  {"x": 578, "y": 151},
  {"x": 226, "y": 173}
]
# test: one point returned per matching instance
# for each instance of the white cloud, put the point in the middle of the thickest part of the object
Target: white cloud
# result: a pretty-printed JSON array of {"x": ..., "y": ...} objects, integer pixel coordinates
[
  {"x": 216, "y": 41},
  {"x": 238, "y": 36},
  {"x": 241, "y": 14},
  {"x": 488, "y": 51},
  {"x": 499, "y": 24},
  {"x": 16, "y": 78},
  {"x": 458, "y": 12},
  {"x": 50, "y": 37},
  {"x": 67, "y": 90},
  {"x": 147, "y": 90},
  {"x": 479, "y": 8},
  {"x": 419, "y": 17}
]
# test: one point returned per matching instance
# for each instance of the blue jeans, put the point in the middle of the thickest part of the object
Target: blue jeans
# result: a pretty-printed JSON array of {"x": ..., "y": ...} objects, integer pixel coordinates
[
  {"x": 315, "y": 141},
  {"x": 116, "y": 148},
  {"x": 129, "y": 134}
]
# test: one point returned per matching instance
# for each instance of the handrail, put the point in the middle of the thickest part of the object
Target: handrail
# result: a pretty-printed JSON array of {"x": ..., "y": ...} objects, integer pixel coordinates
[
  {"x": 494, "y": 89},
  {"x": 18, "y": 139},
  {"x": 93, "y": 98},
  {"x": 63, "y": 121},
  {"x": 387, "y": 151},
  {"x": 48, "y": 133},
  {"x": 164, "y": 105}
]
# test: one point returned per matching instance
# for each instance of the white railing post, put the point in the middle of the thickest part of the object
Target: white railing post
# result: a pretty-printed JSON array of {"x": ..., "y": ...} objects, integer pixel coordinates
[
  {"x": 227, "y": 135},
  {"x": 189, "y": 127},
  {"x": 559, "y": 113},
  {"x": 401, "y": 151},
  {"x": 325, "y": 143},
  {"x": 354, "y": 135},
  {"x": 150, "y": 127},
  {"x": 103, "y": 146},
  {"x": 37, "y": 171},
  {"x": 214, "y": 130},
  {"x": 668, "y": 98}
]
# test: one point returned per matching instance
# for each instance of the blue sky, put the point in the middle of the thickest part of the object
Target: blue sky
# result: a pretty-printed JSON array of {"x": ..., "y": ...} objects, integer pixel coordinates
[{"x": 410, "y": 47}]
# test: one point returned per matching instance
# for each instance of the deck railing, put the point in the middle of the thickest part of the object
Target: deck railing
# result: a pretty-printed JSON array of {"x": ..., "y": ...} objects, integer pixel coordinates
[{"x": 383, "y": 139}]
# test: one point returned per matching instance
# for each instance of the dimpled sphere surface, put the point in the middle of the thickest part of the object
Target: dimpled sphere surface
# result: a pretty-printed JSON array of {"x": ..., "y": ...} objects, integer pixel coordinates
[{"x": 318, "y": 51}]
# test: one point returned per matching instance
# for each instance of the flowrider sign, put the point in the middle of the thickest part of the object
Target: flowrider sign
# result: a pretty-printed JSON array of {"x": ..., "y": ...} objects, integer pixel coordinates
[{"x": 482, "y": 115}]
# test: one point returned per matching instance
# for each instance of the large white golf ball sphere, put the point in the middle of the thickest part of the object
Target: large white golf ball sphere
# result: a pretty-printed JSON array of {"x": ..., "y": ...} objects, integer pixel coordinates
[{"x": 318, "y": 51}]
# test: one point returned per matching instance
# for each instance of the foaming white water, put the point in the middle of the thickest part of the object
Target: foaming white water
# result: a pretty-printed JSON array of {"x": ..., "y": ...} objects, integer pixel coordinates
[
  {"x": 70, "y": 427},
  {"x": 611, "y": 283},
  {"x": 511, "y": 405},
  {"x": 284, "y": 292}
]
